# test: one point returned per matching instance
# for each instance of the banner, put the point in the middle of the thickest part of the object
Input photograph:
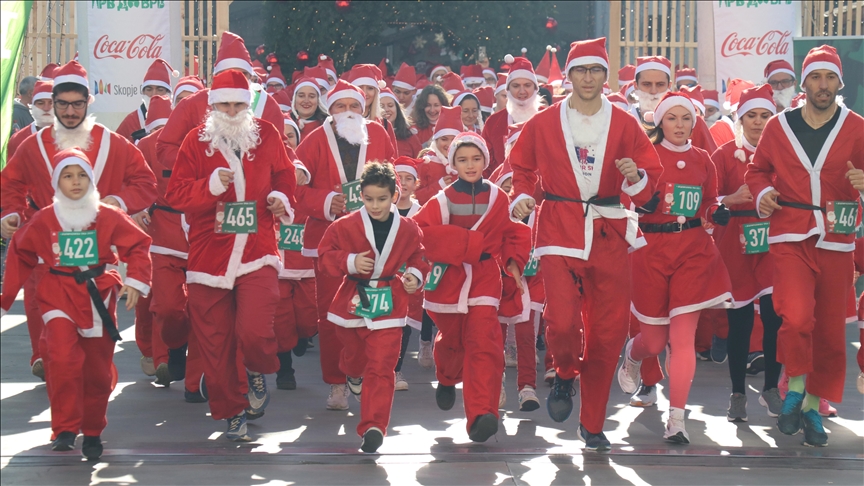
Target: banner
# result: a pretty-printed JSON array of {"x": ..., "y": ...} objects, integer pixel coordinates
[
  {"x": 748, "y": 34},
  {"x": 124, "y": 38},
  {"x": 14, "y": 17},
  {"x": 851, "y": 52}
]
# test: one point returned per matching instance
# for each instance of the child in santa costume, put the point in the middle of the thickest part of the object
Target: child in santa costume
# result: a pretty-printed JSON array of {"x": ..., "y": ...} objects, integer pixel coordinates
[
  {"x": 466, "y": 231},
  {"x": 587, "y": 154},
  {"x": 435, "y": 173},
  {"x": 77, "y": 237},
  {"x": 807, "y": 178},
  {"x": 367, "y": 249},
  {"x": 232, "y": 179}
]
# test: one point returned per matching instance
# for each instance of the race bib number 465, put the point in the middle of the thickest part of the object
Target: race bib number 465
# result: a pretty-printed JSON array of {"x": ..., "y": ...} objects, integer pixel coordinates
[
  {"x": 353, "y": 201},
  {"x": 841, "y": 216},
  {"x": 75, "y": 248},
  {"x": 682, "y": 200},
  {"x": 236, "y": 217}
]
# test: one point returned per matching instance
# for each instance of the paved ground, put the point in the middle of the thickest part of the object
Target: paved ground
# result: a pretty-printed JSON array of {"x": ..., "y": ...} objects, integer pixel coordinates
[{"x": 154, "y": 437}]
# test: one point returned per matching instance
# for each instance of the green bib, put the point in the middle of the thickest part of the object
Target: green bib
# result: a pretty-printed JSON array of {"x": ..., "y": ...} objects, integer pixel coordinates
[
  {"x": 380, "y": 303},
  {"x": 842, "y": 216},
  {"x": 291, "y": 237},
  {"x": 533, "y": 265},
  {"x": 353, "y": 201},
  {"x": 236, "y": 217},
  {"x": 435, "y": 275},
  {"x": 754, "y": 237},
  {"x": 77, "y": 248},
  {"x": 682, "y": 200}
]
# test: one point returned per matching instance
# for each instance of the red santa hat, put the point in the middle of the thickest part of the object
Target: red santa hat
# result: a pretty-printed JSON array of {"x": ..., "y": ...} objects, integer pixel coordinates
[
  {"x": 822, "y": 57},
  {"x": 671, "y": 99},
  {"x": 466, "y": 138},
  {"x": 67, "y": 157},
  {"x": 618, "y": 100},
  {"x": 452, "y": 83},
  {"x": 449, "y": 122},
  {"x": 438, "y": 70},
  {"x": 407, "y": 165},
  {"x": 502, "y": 83},
  {"x": 583, "y": 53},
  {"x": 659, "y": 63},
  {"x": 486, "y": 96},
  {"x": 779, "y": 66},
  {"x": 71, "y": 72},
  {"x": 513, "y": 132},
  {"x": 386, "y": 93},
  {"x": 49, "y": 71},
  {"x": 489, "y": 71},
  {"x": 319, "y": 74},
  {"x": 695, "y": 95},
  {"x": 159, "y": 74},
  {"x": 290, "y": 122},
  {"x": 283, "y": 98},
  {"x": 366, "y": 75},
  {"x": 501, "y": 173},
  {"x": 472, "y": 74},
  {"x": 544, "y": 67},
  {"x": 626, "y": 74},
  {"x": 344, "y": 89},
  {"x": 556, "y": 76},
  {"x": 304, "y": 81},
  {"x": 406, "y": 77},
  {"x": 711, "y": 98},
  {"x": 520, "y": 68},
  {"x": 157, "y": 113},
  {"x": 260, "y": 74},
  {"x": 798, "y": 100},
  {"x": 757, "y": 97},
  {"x": 734, "y": 90},
  {"x": 229, "y": 87},
  {"x": 42, "y": 90},
  {"x": 606, "y": 89},
  {"x": 276, "y": 76},
  {"x": 422, "y": 82},
  {"x": 457, "y": 100},
  {"x": 329, "y": 67},
  {"x": 686, "y": 74},
  {"x": 232, "y": 54},
  {"x": 189, "y": 84},
  {"x": 628, "y": 88}
]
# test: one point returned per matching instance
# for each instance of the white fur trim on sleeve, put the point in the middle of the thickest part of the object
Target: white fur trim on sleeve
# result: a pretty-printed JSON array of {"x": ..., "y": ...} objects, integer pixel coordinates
[
  {"x": 351, "y": 268},
  {"x": 216, "y": 187},
  {"x": 299, "y": 165},
  {"x": 138, "y": 285},
  {"x": 632, "y": 190},
  {"x": 12, "y": 214},
  {"x": 288, "y": 218},
  {"x": 759, "y": 200},
  {"x": 417, "y": 273},
  {"x": 515, "y": 201},
  {"x": 122, "y": 203},
  {"x": 327, "y": 201}
]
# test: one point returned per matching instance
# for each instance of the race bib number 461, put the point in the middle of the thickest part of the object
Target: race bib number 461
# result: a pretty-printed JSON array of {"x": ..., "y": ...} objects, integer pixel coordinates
[
  {"x": 841, "y": 216},
  {"x": 236, "y": 217},
  {"x": 682, "y": 200},
  {"x": 75, "y": 248},
  {"x": 353, "y": 201}
]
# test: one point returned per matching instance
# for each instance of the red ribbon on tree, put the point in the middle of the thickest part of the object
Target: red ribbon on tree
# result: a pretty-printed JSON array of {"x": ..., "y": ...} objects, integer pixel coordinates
[
  {"x": 551, "y": 24},
  {"x": 302, "y": 56},
  {"x": 343, "y": 5}
]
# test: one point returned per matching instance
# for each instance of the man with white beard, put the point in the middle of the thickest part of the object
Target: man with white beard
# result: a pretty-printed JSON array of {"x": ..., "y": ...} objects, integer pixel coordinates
[
  {"x": 42, "y": 112},
  {"x": 523, "y": 102},
  {"x": 780, "y": 75},
  {"x": 157, "y": 81},
  {"x": 335, "y": 154},
  {"x": 121, "y": 174},
  {"x": 233, "y": 180}
]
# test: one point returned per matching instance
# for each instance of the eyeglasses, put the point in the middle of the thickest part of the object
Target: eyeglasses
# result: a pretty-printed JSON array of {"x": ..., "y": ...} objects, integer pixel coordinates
[
  {"x": 62, "y": 105},
  {"x": 782, "y": 84},
  {"x": 595, "y": 71}
]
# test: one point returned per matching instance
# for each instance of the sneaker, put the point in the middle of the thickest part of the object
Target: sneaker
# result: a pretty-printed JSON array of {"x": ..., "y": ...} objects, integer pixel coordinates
[
  {"x": 302, "y": 345},
  {"x": 541, "y": 342},
  {"x": 401, "y": 383},
  {"x": 237, "y": 428},
  {"x": 675, "y": 431},
  {"x": 861, "y": 382},
  {"x": 202, "y": 387},
  {"x": 594, "y": 442},
  {"x": 258, "y": 394},
  {"x": 825, "y": 409},
  {"x": 177, "y": 362},
  {"x": 65, "y": 441},
  {"x": 502, "y": 395},
  {"x": 484, "y": 426},
  {"x": 770, "y": 399},
  {"x": 528, "y": 401},
  {"x": 737, "y": 408},
  {"x": 789, "y": 420},
  {"x": 310, "y": 343},
  {"x": 285, "y": 376},
  {"x": 193, "y": 397},
  {"x": 629, "y": 375},
  {"x": 424, "y": 357},
  {"x": 549, "y": 377},
  {"x": 814, "y": 433},
  {"x": 510, "y": 359},
  {"x": 445, "y": 396},
  {"x": 560, "y": 401},
  {"x": 355, "y": 385},
  {"x": 372, "y": 440},
  {"x": 718, "y": 350},
  {"x": 146, "y": 365},
  {"x": 704, "y": 355},
  {"x": 252, "y": 414},
  {"x": 91, "y": 448},
  {"x": 338, "y": 398},
  {"x": 645, "y": 396},
  {"x": 755, "y": 363},
  {"x": 163, "y": 375}
]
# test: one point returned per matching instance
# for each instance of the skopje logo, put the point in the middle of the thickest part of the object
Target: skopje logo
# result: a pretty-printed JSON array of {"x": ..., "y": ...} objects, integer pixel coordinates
[{"x": 101, "y": 87}]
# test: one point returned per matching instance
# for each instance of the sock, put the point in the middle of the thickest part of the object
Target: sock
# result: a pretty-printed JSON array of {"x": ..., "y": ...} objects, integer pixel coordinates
[
  {"x": 796, "y": 384},
  {"x": 811, "y": 402}
]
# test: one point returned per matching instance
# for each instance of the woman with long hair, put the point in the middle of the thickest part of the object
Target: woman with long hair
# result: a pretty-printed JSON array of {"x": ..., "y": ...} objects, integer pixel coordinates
[
  {"x": 426, "y": 111},
  {"x": 407, "y": 143},
  {"x": 307, "y": 106},
  {"x": 472, "y": 117}
]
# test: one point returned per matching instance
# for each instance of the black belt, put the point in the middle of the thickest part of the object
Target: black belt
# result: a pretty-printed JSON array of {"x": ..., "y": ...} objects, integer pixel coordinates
[
  {"x": 362, "y": 283},
  {"x": 806, "y": 207},
  {"x": 674, "y": 227},
  {"x": 87, "y": 277},
  {"x": 610, "y": 201},
  {"x": 751, "y": 213},
  {"x": 167, "y": 209}
]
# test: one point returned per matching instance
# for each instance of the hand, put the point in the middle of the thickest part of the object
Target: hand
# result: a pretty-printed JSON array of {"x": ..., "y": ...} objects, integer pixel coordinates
[
  {"x": 132, "y": 295},
  {"x": 448, "y": 179},
  {"x": 722, "y": 215},
  {"x": 277, "y": 207},
  {"x": 741, "y": 196},
  {"x": 524, "y": 207},
  {"x": 142, "y": 219},
  {"x": 651, "y": 205},
  {"x": 301, "y": 177},
  {"x": 410, "y": 283},
  {"x": 768, "y": 203},
  {"x": 364, "y": 264},
  {"x": 337, "y": 204},
  {"x": 513, "y": 269},
  {"x": 9, "y": 226},
  {"x": 226, "y": 177},
  {"x": 855, "y": 176},
  {"x": 629, "y": 170},
  {"x": 111, "y": 201}
]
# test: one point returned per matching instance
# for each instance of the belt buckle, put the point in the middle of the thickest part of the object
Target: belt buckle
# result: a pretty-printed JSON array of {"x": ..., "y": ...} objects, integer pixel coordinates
[{"x": 677, "y": 227}]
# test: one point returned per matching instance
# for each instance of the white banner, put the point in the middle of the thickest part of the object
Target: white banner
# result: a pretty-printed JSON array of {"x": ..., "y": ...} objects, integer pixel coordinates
[
  {"x": 124, "y": 38},
  {"x": 748, "y": 34}
]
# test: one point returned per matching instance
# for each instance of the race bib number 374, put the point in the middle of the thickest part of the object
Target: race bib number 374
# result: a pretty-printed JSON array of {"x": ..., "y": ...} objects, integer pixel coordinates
[{"x": 75, "y": 248}]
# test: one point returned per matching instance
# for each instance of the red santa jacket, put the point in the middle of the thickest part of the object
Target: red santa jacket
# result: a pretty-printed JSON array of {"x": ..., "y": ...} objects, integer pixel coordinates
[
  {"x": 167, "y": 227},
  {"x": 701, "y": 136},
  {"x": 431, "y": 176},
  {"x": 217, "y": 259},
  {"x": 780, "y": 163},
  {"x": 415, "y": 300},
  {"x": 353, "y": 234},
  {"x": 495, "y": 132},
  {"x": 133, "y": 122},
  {"x": 424, "y": 135},
  {"x": 61, "y": 296},
  {"x": 17, "y": 138},
  {"x": 688, "y": 165},
  {"x": 545, "y": 149},
  {"x": 118, "y": 166},
  {"x": 308, "y": 126},
  {"x": 409, "y": 147},
  {"x": 294, "y": 265},
  {"x": 722, "y": 131},
  {"x": 320, "y": 154}
]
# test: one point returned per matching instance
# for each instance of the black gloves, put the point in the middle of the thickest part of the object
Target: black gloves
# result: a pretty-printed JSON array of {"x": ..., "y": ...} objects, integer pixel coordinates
[
  {"x": 721, "y": 215},
  {"x": 651, "y": 205}
]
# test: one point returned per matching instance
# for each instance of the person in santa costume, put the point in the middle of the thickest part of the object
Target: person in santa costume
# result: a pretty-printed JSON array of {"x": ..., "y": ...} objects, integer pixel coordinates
[
  {"x": 859, "y": 267},
  {"x": 78, "y": 297},
  {"x": 405, "y": 87},
  {"x": 472, "y": 117},
  {"x": 587, "y": 154},
  {"x": 232, "y": 179},
  {"x": 121, "y": 174},
  {"x": 682, "y": 271},
  {"x": 368, "y": 77},
  {"x": 807, "y": 177},
  {"x": 407, "y": 143},
  {"x": 427, "y": 109},
  {"x": 466, "y": 232},
  {"x": 472, "y": 76},
  {"x": 702, "y": 137},
  {"x": 335, "y": 155},
  {"x": 435, "y": 171},
  {"x": 186, "y": 87},
  {"x": 685, "y": 77},
  {"x": 627, "y": 74},
  {"x": 326, "y": 63},
  {"x": 307, "y": 106},
  {"x": 500, "y": 93},
  {"x": 157, "y": 82},
  {"x": 781, "y": 77},
  {"x": 275, "y": 81},
  {"x": 42, "y": 111},
  {"x": 486, "y": 96},
  {"x": 720, "y": 126}
]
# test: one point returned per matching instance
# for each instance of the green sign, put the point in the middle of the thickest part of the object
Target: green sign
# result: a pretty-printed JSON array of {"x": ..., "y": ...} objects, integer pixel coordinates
[
  {"x": 533, "y": 265},
  {"x": 435, "y": 275},
  {"x": 14, "y": 16},
  {"x": 682, "y": 200},
  {"x": 380, "y": 303},
  {"x": 291, "y": 237},
  {"x": 353, "y": 201},
  {"x": 841, "y": 217},
  {"x": 77, "y": 248},
  {"x": 754, "y": 237},
  {"x": 236, "y": 217}
]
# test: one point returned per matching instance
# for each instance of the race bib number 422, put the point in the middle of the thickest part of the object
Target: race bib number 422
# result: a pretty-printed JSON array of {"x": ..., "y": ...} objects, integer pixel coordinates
[
  {"x": 236, "y": 217},
  {"x": 75, "y": 248}
]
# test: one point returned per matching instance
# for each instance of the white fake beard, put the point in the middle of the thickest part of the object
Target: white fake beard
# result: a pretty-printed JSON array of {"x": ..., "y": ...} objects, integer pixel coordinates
[
  {"x": 709, "y": 120},
  {"x": 230, "y": 134},
  {"x": 588, "y": 129},
  {"x": 647, "y": 101},
  {"x": 146, "y": 101},
  {"x": 79, "y": 136},
  {"x": 523, "y": 110},
  {"x": 76, "y": 215},
  {"x": 783, "y": 97},
  {"x": 350, "y": 126},
  {"x": 41, "y": 117}
]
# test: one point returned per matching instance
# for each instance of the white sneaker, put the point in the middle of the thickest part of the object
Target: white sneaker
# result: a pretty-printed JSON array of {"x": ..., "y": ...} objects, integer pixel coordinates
[
  {"x": 146, "y": 366},
  {"x": 528, "y": 399},
  {"x": 628, "y": 374},
  {"x": 861, "y": 382},
  {"x": 549, "y": 376},
  {"x": 645, "y": 396},
  {"x": 424, "y": 357},
  {"x": 510, "y": 359},
  {"x": 502, "y": 397},
  {"x": 675, "y": 431},
  {"x": 338, "y": 399},
  {"x": 38, "y": 369},
  {"x": 401, "y": 383}
]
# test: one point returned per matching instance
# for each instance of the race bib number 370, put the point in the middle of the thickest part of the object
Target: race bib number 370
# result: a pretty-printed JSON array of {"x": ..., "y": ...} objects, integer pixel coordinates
[
  {"x": 236, "y": 217},
  {"x": 353, "y": 201},
  {"x": 754, "y": 237},
  {"x": 682, "y": 200},
  {"x": 75, "y": 248}
]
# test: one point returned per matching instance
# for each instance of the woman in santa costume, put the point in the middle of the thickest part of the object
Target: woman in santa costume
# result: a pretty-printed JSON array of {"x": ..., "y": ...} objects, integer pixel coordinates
[
  {"x": 232, "y": 179},
  {"x": 407, "y": 143},
  {"x": 435, "y": 173},
  {"x": 335, "y": 156},
  {"x": 466, "y": 231},
  {"x": 426, "y": 111},
  {"x": 307, "y": 106},
  {"x": 807, "y": 179},
  {"x": 77, "y": 237},
  {"x": 472, "y": 118}
]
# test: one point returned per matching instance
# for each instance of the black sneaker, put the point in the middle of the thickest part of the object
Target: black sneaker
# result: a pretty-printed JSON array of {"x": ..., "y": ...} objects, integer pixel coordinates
[
  {"x": 372, "y": 440},
  {"x": 560, "y": 401},
  {"x": 814, "y": 433},
  {"x": 484, "y": 426},
  {"x": 541, "y": 342},
  {"x": 755, "y": 363},
  {"x": 92, "y": 447},
  {"x": 285, "y": 376},
  {"x": 445, "y": 396},
  {"x": 594, "y": 442},
  {"x": 193, "y": 397},
  {"x": 163, "y": 375},
  {"x": 65, "y": 441},
  {"x": 703, "y": 355},
  {"x": 719, "y": 352},
  {"x": 300, "y": 349},
  {"x": 177, "y": 363}
]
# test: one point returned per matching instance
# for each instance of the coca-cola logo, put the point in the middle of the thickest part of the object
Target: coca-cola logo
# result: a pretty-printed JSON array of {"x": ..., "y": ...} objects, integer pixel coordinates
[
  {"x": 145, "y": 46},
  {"x": 772, "y": 43}
]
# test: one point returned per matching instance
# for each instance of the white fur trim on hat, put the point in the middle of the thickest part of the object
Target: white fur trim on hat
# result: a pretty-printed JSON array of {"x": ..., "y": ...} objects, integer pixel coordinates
[
  {"x": 781, "y": 70},
  {"x": 671, "y": 101},
  {"x": 274, "y": 78},
  {"x": 184, "y": 88},
  {"x": 45, "y": 95},
  {"x": 345, "y": 93},
  {"x": 586, "y": 60},
  {"x": 233, "y": 63},
  {"x": 521, "y": 74},
  {"x": 155, "y": 123},
  {"x": 366, "y": 82},
  {"x": 445, "y": 132},
  {"x": 407, "y": 169},
  {"x": 807, "y": 70},
  {"x": 306, "y": 83},
  {"x": 229, "y": 95},
  {"x": 465, "y": 138},
  {"x": 156, "y": 82},
  {"x": 653, "y": 65},
  {"x": 712, "y": 102},
  {"x": 55, "y": 175},
  {"x": 756, "y": 103},
  {"x": 403, "y": 85},
  {"x": 698, "y": 104},
  {"x": 72, "y": 78},
  {"x": 390, "y": 95},
  {"x": 686, "y": 77}
]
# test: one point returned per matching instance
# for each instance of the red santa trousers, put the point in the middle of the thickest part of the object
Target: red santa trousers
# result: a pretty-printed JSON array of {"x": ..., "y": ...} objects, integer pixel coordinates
[
  {"x": 597, "y": 290},
  {"x": 811, "y": 286},
  {"x": 296, "y": 314},
  {"x": 32, "y": 312},
  {"x": 223, "y": 319},
  {"x": 79, "y": 399},
  {"x": 526, "y": 352},
  {"x": 372, "y": 355},
  {"x": 147, "y": 337},
  {"x": 331, "y": 348}
]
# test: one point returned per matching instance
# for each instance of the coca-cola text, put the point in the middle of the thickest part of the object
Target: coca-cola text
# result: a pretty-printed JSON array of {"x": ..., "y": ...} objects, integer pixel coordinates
[
  {"x": 145, "y": 46},
  {"x": 772, "y": 43}
]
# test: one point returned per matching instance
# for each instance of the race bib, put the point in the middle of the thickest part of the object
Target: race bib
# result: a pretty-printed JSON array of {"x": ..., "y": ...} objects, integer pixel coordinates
[
  {"x": 532, "y": 266},
  {"x": 291, "y": 237},
  {"x": 435, "y": 275},
  {"x": 754, "y": 238},
  {"x": 842, "y": 216},
  {"x": 380, "y": 303},
  {"x": 75, "y": 248},
  {"x": 353, "y": 201},
  {"x": 236, "y": 217},
  {"x": 403, "y": 268},
  {"x": 682, "y": 200}
]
